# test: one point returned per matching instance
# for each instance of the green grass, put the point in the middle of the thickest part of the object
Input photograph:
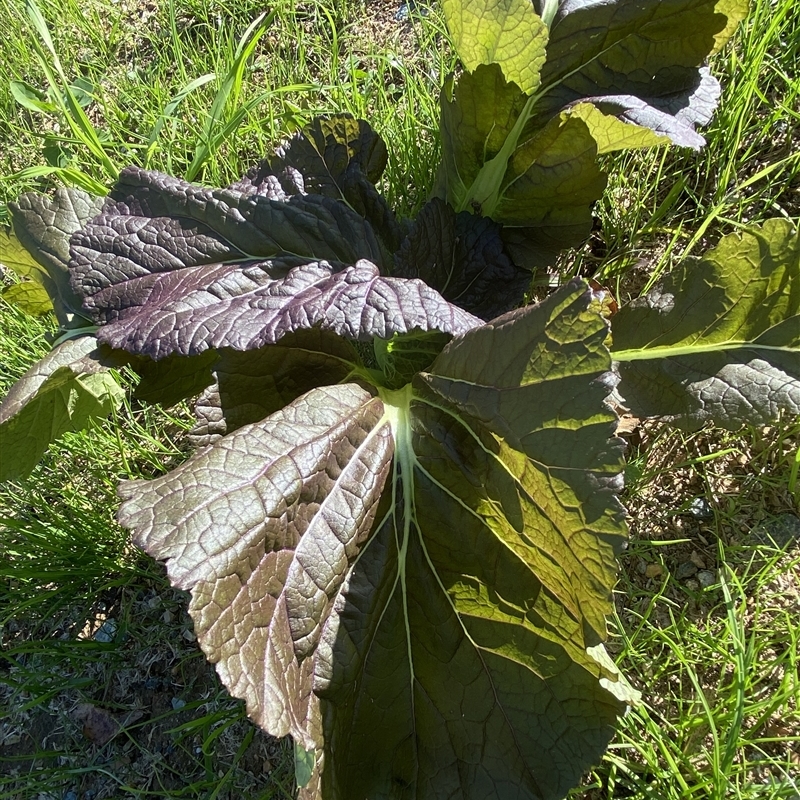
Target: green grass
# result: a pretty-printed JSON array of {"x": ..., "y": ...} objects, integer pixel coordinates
[{"x": 717, "y": 665}]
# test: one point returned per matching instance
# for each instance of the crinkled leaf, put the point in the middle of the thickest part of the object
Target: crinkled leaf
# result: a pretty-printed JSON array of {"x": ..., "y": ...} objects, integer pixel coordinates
[
  {"x": 250, "y": 386},
  {"x": 321, "y": 153},
  {"x": 651, "y": 49},
  {"x": 248, "y": 305},
  {"x": 43, "y": 226},
  {"x": 655, "y": 121},
  {"x": 30, "y": 297},
  {"x": 153, "y": 224},
  {"x": 549, "y": 181},
  {"x": 638, "y": 60},
  {"x": 339, "y": 157},
  {"x": 463, "y": 632},
  {"x": 63, "y": 392},
  {"x": 504, "y": 32},
  {"x": 438, "y": 636},
  {"x": 463, "y": 258},
  {"x": 719, "y": 339},
  {"x": 263, "y": 527}
]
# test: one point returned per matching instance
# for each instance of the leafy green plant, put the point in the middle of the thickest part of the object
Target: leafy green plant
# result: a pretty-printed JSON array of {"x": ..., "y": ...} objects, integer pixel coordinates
[{"x": 400, "y": 526}]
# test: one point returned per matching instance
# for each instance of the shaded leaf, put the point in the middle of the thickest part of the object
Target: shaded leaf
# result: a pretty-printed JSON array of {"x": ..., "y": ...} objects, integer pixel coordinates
[
  {"x": 338, "y": 157},
  {"x": 718, "y": 339},
  {"x": 174, "y": 378},
  {"x": 463, "y": 258},
  {"x": 63, "y": 392},
  {"x": 651, "y": 49},
  {"x": 250, "y": 386}
]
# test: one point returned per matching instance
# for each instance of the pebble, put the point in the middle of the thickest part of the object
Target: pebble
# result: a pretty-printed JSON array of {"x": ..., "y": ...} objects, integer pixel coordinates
[
  {"x": 106, "y": 632},
  {"x": 177, "y": 703},
  {"x": 700, "y": 508},
  {"x": 653, "y": 570},
  {"x": 685, "y": 570},
  {"x": 706, "y": 578}
]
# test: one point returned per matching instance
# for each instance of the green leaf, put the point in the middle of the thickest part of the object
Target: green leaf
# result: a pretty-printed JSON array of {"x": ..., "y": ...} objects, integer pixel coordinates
[
  {"x": 304, "y": 763},
  {"x": 30, "y": 297},
  {"x": 28, "y": 97},
  {"x": 631, "y": 70},
  {"x": 504, "y": 32},
  {"x": 719, "y": 339},
  {"x": 612, "y": 133},
  {"x": 43, "y": 227},
  {"x": 550, "y": 178},
  {"x": 16, "y": 258},
  {"x": 61, "y": 393}
]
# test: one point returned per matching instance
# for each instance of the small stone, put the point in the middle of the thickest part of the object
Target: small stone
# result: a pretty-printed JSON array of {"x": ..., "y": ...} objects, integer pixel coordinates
[
  {"x": 266, "y": 767},
  {"x": 700, "y": 508},
  {"x": 106, "y": 632},
  {"x": 653, "y": 570},
  {"x": 70, "y": 795},
  {"x": 685, "y": 570},
  {"x": 641, "y": 566},
  {"x": 177, "y": 703},
  {"x": 692, "y": 585},
  {"x": 697, "y": 559},
  {"x": 706, "y": 578},
  {"x": 167, "y": 617},
  {"x": 189, "y": 635}
]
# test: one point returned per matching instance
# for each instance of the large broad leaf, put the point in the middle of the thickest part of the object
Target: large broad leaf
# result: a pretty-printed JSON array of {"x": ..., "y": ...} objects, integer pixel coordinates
[
  {"x": 39, "y": 247},
  {"x": 247, "y": 305},
  {"x": 719, "y": 339},
  {"x": 463, "y": 258},
  {"x": 339, "y": 157},
  {"x": 639, "y": 63},
  {"x": 403, "y": 580},
  {"x": 64, "y": 391},
  {"x": 152, "y": 223}
]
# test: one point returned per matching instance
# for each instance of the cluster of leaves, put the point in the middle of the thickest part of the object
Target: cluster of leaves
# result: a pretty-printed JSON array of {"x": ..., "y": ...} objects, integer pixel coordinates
[{"x": 400, "y": 526}]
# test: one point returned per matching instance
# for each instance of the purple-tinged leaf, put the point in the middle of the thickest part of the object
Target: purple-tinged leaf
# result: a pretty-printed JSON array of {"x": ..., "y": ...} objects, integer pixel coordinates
[
  {"x": 250, "y": 386},
  {"x": 441, "y": 634},
  {"x": 462, "y": 257},
  {"x": 152, "y": 223},
  {"x": 263, "y": 528},
  {"x": 338, "y": 157},
  {"x": 250, "y": 305}
]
